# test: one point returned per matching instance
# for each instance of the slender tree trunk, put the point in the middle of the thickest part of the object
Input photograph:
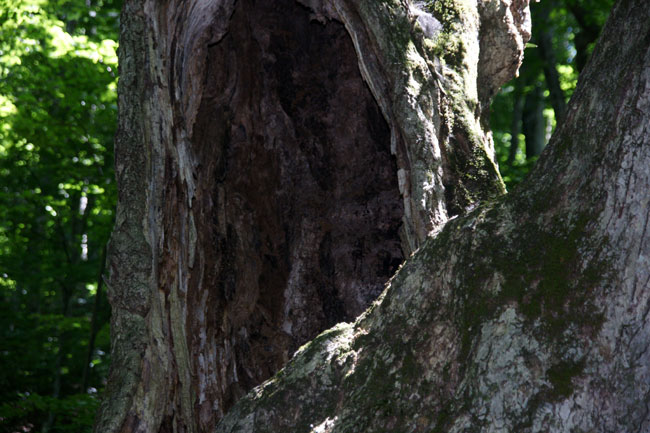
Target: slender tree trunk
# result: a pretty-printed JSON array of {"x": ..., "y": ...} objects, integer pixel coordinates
[
  {"x": 533, "y": 122},
  {"x": 58, "y": 363},
  {"x": 94, "y": 322},
  {"x": 516, "y": 122},
  {"x": 542, "y": 31},
  {"x": 276, "y": 162},
  {"x": 586, "y": 35}
]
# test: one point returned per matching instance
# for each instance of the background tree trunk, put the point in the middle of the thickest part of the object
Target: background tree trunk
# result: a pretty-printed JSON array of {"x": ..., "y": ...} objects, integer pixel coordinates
[
  {"x": 542, "y": 31},
  {"x": 516, "y": 121},
  {"x": 276, "y": 162},
  {"x": 534, "y": 122}
]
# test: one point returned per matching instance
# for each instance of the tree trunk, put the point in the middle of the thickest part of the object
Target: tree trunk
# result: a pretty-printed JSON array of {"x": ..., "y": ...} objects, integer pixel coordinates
[
  {"x": 276, "y": 162},
  {"x": 543, "y": 38},
  {"x": 586, "y": 35},
  {"x": 533, "y": 122},
  {"x": 529, "y": 314},
  {"x": 516, "y": 121},
  {"x": 94, "y": 323}
]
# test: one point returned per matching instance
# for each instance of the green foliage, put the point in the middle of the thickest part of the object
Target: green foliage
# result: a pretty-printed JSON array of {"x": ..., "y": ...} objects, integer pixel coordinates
[
  {"x": 573, "y": 26},
  {"x": 75, "y": 413},
  {"x": 57, "y": 118}
]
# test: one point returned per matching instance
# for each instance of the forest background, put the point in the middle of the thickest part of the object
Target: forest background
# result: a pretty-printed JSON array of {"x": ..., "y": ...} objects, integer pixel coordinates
[{"x": 58, "y": 110}]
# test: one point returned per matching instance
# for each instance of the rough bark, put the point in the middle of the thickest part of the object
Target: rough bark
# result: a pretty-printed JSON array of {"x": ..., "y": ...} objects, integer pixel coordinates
[
  {"x": 530, "y": 314},
  {"x": 276, "y": 161}
]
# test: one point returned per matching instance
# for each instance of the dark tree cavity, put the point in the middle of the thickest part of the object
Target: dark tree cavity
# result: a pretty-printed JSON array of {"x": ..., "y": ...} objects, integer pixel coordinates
[{"x": 296, "y": 193}]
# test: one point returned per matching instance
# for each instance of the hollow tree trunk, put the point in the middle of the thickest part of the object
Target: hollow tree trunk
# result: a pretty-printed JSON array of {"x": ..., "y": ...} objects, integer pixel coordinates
[
  {"x": 529, "y": 314},
  {"x": 277, "y": 161}
]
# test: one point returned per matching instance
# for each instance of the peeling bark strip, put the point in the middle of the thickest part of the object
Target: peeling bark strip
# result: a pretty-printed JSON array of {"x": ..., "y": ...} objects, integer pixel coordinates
[
  {"x": 276, "y": 161},
  {"x": 529, "y": 314}
]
